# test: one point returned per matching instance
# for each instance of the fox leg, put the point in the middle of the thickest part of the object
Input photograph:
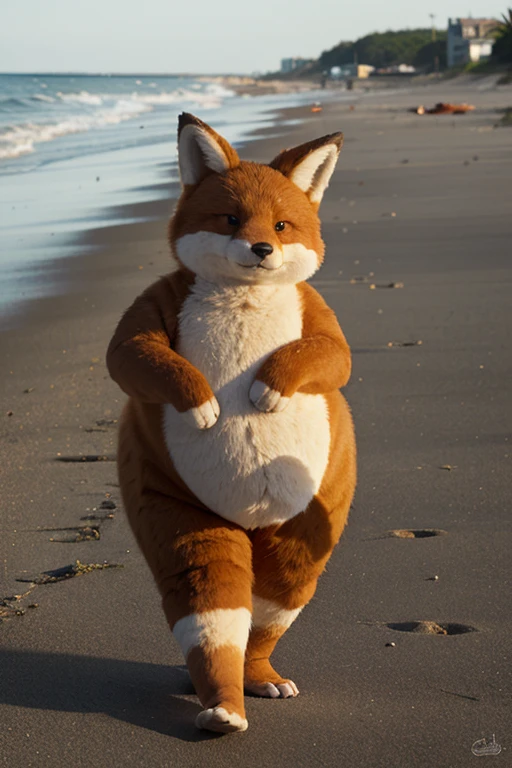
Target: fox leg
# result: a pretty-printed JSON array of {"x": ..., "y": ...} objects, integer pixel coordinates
[
  {"x": 270, "y": 621},
  {"x": 202, "y": 566},
  {"x": 287, "y": 561}
]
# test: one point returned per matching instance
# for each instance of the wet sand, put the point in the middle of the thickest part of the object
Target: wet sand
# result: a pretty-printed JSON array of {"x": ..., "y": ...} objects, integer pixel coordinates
[{"x": 417, "y": 227}]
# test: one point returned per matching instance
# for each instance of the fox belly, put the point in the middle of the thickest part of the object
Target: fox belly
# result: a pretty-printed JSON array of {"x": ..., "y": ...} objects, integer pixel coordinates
[{"x": 252, "y": 468}]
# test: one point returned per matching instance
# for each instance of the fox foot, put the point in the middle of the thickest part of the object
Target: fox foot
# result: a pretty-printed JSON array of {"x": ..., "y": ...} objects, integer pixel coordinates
[
  {"x": 284, "y": 690},
  {"x": 220, "y": 720},
  {"x": 261, "y": 679}
]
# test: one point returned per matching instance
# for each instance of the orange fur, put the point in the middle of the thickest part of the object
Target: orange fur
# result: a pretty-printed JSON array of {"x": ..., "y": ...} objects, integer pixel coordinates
[
  {"x": 202, "y": 563},
  {"x": 318, "y": 362},
  {"x": 260, "y": 196},
  {"x": 230, "y": 154}
]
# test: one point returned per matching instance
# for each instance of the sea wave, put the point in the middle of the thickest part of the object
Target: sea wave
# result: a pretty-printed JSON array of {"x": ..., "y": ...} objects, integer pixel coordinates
[
  {"x": 210, "y": 98},
  {"x": 212, "y": 94},
  {"x": 12, "y": 102},
  {"x": 84, "y": 97},
  {"x": 20, "y": 139},
  {"x": 85, "y": 111},
  {"x": 43, "y": 97}
]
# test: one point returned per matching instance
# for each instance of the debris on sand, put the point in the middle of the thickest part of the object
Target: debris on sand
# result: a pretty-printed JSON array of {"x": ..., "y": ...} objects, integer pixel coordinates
[
  {"x": 68, "y": 572},
  {"x": 444, "y": 108},
  {"x": 11, "y": 606},
  {"x": 108, "y": 504},
  {"x": 374, "y": 286},
  {"x": 7, "y": 611},
  {"x": 83, "y": 533},
  {"x": 85, "y": 458},
  {"x": 93, "y": 516},
  {"x": 103, "y": 512},
  {"x": 416, "y": 343},
  {"x": 358, "y": 279}
]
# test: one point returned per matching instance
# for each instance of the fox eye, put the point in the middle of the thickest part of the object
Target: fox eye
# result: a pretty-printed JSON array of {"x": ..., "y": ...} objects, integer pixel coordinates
[
  {"x": 280, "y": 226},
  {"x": 233, "y": 221}
]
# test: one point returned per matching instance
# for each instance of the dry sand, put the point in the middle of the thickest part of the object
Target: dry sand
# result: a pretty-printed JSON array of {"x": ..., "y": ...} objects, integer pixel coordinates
[{"x": 91, "y": 676}]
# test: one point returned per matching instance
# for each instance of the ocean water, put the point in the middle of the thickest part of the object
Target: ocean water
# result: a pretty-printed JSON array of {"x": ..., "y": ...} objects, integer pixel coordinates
[
  {"x": 37, "y": 109},
  {"x": 75, "y": 149}
]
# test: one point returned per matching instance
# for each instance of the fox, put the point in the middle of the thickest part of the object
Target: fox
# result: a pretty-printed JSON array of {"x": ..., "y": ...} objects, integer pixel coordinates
[{"x": 236, "y": 449}]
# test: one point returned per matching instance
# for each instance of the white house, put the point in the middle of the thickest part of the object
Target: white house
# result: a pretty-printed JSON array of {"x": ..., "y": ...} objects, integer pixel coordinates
[{"x": 469, "y": 40}]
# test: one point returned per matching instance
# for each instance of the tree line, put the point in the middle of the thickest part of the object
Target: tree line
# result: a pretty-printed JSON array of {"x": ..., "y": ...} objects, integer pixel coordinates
[
  {"x": 385, "y": 49},
  {"x": 409, "y": 46}
]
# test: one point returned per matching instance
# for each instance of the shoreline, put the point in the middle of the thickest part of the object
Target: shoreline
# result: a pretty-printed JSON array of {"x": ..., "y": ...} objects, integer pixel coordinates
[
  {"x": 93, "y": 191},
  {"x": 96, "y": 653}
]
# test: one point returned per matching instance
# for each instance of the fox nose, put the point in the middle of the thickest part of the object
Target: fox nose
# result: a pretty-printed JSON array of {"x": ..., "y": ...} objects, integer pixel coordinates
[{"x": 262, "y": 249}]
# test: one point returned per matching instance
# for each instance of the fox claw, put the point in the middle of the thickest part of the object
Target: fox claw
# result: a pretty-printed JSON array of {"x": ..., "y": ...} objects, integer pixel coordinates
[
  {"x": 284, "y": 690},
  {"x": 266, "y": 399},
  {"x": 204, "y": 416}
]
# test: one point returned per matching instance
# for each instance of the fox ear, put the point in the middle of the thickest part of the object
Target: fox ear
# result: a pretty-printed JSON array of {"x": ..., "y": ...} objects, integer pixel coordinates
[
  {"x": 201, "y": 150},
  {"x": 310, "y": 165}
]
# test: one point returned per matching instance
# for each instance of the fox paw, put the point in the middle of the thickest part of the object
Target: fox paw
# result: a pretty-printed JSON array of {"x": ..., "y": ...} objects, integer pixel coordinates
[
  {"x": 266, "y": 399},
  {"x": 284, "y": 690},
  {"x": 204, "y": 416},
  {"x": 220, "y": 720}
]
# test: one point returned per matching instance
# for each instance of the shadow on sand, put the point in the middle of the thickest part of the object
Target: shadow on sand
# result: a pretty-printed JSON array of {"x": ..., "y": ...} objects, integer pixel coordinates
[{"x": 145, "y": 695}]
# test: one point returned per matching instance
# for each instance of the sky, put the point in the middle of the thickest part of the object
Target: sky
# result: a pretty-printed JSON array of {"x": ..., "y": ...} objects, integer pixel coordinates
[{"x": 207, "y": 36}]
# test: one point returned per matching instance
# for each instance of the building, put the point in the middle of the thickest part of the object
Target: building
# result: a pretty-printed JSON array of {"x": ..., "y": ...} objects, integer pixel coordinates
[
  {"x": 296, "y": 62},
  {"x": 396, "y": 69},
  {"x": 360, "y": 71},
  {"x": 469, "y": 40}
]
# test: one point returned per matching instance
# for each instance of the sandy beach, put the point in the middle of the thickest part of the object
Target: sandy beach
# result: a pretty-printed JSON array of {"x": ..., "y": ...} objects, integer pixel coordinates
[{"x": 403, "y": 656}]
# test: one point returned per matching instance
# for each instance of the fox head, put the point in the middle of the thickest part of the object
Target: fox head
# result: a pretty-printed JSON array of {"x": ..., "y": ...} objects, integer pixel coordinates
[{"x": 243, "y": 222}]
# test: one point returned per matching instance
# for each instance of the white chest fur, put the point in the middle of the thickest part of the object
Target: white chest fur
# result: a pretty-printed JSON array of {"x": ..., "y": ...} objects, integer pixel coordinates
[{"x": 252, "y": 468}]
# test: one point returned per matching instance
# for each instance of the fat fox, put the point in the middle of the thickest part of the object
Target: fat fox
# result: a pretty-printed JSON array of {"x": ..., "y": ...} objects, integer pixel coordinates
[{"x": 236, "y": 453}]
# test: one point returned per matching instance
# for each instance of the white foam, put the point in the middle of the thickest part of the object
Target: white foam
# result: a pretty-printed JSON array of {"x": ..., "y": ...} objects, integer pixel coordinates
[
  {"x": 211, "y": 97},
  {"x": 110, "y": 109},
  {"x": 84, "y": 97},
  {"x": 43, "y": 97},
  {"x": 19, "y": 148},
  {"x": 20, "y": 140}
]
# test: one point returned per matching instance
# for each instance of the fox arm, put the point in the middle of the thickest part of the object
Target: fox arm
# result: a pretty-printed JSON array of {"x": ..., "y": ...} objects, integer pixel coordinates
[
  {"x": 315, "y": 364},
  {"x": 140, "y": 357}
]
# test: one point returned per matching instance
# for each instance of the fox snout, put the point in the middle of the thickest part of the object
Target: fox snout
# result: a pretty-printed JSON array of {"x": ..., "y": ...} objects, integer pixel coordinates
[
  {"x": 262, "y": 249},
  {"x": 259, "y": 255}
]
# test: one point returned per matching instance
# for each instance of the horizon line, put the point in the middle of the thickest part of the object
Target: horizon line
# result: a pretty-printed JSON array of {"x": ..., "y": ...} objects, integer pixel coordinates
[{"x": 80, "y": 73}]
